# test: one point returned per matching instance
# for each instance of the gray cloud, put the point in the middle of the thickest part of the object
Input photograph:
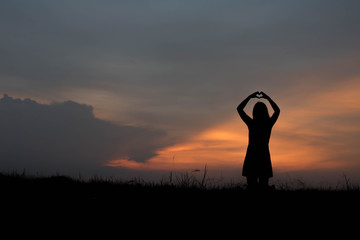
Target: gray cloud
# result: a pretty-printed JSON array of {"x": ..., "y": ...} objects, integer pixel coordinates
[
  {"x": 81, "y": 43},
  {"x": 66, "y": 137}
]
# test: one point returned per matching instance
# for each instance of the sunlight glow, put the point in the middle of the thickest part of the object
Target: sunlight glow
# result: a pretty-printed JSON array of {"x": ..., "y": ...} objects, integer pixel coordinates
[{"x": 303, "y": 138}]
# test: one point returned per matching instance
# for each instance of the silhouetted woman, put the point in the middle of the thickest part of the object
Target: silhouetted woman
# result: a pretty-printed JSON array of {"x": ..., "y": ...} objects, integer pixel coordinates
[{"x": 257, "y": 165}]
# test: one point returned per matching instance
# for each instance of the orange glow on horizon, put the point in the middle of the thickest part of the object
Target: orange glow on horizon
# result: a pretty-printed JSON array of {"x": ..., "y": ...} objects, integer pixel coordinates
[{"x": 302, "y": 139}]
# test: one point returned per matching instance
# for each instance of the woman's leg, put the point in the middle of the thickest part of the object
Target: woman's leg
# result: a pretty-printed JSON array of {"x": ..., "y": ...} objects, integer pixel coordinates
[
  {"x": 264, "y": 182},
  {"x": 251, "y": 182}
]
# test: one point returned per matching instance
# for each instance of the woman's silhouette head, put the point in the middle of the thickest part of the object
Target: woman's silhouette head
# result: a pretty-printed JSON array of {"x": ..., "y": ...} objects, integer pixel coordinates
[{"x": 260, "y": 112}]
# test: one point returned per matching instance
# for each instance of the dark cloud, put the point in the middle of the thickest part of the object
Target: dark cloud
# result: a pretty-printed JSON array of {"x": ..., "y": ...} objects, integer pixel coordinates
[
  {"x": 186, "y": 54},
  {"x": 66, "y": 137},
  {"x": 78, "y": 43}
]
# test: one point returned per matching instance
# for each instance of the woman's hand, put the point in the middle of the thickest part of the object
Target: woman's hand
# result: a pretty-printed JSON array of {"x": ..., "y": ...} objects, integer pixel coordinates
[
  {"x": 254, "y": 95},
  {"x": 264, "y": 95}
]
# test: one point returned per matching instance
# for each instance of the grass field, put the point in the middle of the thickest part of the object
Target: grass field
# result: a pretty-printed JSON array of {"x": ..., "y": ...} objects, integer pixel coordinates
[
  {"x": 182, "y": 198},
  {"x": 17, "y": 185}
]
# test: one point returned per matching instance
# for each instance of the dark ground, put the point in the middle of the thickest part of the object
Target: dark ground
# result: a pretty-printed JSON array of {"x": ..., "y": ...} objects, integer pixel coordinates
[
  {"x": 168, "y": 209},
  {"x": 65, "y": 189}
]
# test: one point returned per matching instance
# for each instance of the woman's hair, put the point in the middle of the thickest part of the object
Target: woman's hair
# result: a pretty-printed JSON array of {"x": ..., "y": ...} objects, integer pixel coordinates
[{"x": 260, "y": 111}]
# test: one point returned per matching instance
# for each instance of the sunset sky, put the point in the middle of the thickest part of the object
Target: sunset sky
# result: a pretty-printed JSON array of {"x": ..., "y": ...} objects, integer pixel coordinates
[{"x": 142, "y": 88}]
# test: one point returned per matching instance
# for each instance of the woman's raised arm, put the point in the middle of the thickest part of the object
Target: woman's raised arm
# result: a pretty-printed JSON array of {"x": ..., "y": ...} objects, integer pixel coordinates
[
  {"x": 242, "y": 105},
  {"x": 276, "y": 108}
]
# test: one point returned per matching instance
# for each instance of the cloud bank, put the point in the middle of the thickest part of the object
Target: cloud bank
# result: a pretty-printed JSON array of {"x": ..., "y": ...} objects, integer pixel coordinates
[
  {"x": 67, "y": 138},
  {"x": 172, "y": 61}
]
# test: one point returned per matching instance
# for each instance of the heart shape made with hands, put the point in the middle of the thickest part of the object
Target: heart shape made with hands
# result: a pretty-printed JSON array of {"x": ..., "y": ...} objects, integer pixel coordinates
[{"x": 259, "y": 95}]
